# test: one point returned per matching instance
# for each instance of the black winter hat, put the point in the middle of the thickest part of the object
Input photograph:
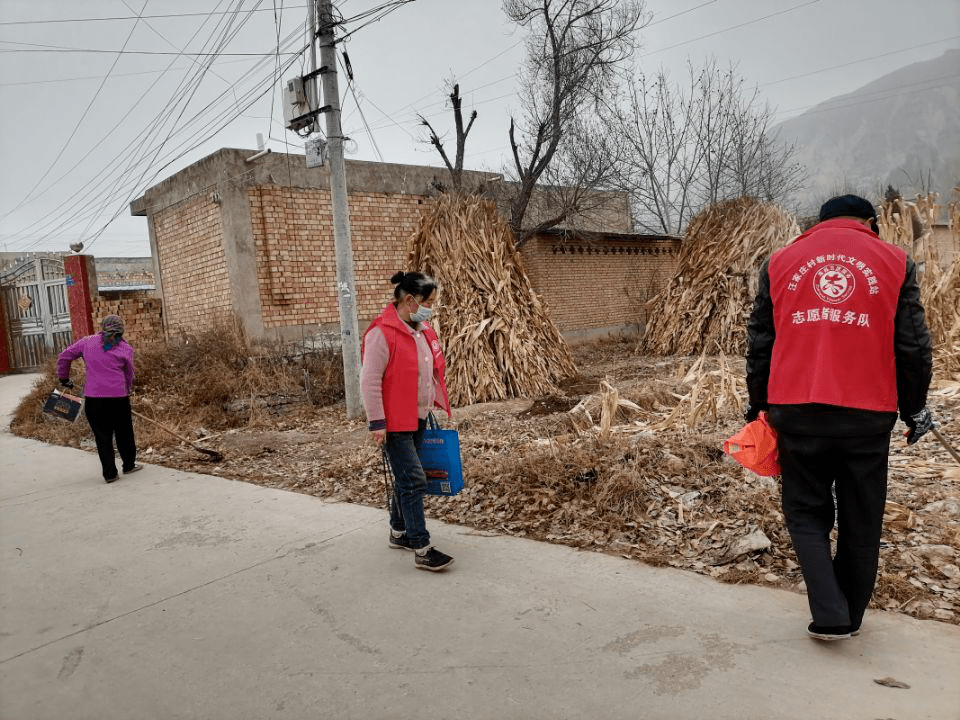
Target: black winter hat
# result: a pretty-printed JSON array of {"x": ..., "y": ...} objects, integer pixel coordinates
[{"x": 847, "y": 206}]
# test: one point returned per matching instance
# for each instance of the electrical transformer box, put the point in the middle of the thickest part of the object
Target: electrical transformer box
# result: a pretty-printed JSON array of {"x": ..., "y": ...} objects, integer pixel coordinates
[{"x": 295, "y": 105}]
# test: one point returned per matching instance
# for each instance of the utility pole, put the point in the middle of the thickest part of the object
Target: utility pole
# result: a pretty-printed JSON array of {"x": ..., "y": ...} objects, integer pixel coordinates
[{"x": 343, "y": 248}]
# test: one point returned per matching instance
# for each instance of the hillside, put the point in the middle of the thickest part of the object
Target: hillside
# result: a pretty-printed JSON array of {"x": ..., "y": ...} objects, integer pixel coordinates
[{"x": 902, "y": 130}]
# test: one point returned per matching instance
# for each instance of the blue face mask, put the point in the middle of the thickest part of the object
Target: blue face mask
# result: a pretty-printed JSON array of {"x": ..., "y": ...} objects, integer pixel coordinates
[{"x": 422, "y": 314}]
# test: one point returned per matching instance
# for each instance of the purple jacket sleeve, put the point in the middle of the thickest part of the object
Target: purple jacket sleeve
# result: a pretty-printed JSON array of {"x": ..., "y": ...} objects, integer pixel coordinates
[
  {"x": 67, "y": 357},
  {"x": 128, "y": 370}
]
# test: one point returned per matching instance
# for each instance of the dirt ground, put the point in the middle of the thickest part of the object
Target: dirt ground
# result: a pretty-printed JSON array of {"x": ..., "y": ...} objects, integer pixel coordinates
[{"x": 540, "y": 468}]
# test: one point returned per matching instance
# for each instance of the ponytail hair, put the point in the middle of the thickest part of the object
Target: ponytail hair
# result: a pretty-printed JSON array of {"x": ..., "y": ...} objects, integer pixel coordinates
[{"x": 417, "y": 284}]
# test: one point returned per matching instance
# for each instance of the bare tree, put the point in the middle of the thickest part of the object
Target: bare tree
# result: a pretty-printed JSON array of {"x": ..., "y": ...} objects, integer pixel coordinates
[
  {"x": 456, "y": 168},
  {"x": 661, "y": 158},
  {"x": 575, "y": 50},
  {"x": 689, "y": 148}
]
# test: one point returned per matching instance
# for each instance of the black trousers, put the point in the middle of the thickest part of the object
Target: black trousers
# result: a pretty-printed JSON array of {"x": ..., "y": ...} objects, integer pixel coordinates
[
  {"x": 110, "y": 418},
  {"x": 838, "y": 587}
]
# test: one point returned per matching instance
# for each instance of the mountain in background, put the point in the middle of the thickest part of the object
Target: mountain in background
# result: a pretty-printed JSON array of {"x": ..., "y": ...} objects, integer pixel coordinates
[{"x": 901, "y": 130}]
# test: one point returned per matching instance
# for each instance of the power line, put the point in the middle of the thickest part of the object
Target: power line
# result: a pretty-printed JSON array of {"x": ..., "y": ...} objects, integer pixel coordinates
[
  {"x": 376, "y": 13},
  {"x": 277, "y": 22},
  {"x": 682, "y": 12},
  {"x": 387, "y": 8},
  {"x": 74, "y": 21},
  {"x": 99, "y": 51},
  {"x": 98, "y": 77},
  {"x": 855, "y": 62},
  {"x": 133, "y": 162},
  {"x": 160, "y": 169},
  {"x": 224, "y": 39},
  {"x": 350, "y": 86},
  {"x": 112, "y": 164},
  {"x": 166, "y": 39},
  {"x": 137, "y": 160},
  {"x": 732, "y": 27},
  {"x": 83, "y": 116},
  {"x": 191, "y": 143}
]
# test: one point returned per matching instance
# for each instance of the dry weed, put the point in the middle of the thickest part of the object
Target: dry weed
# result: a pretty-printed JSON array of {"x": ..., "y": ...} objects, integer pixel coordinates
[{"x": 196, "y": 384}]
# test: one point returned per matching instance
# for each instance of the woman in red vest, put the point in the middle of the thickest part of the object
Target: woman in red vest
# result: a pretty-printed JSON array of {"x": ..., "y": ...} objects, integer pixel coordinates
[
  {"x": 402, "y": 381},
  {"x": 837, "y": 345}
]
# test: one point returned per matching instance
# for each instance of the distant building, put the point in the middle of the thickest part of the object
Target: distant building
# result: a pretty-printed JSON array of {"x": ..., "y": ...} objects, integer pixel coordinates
[{"x": 125, "y": 273}]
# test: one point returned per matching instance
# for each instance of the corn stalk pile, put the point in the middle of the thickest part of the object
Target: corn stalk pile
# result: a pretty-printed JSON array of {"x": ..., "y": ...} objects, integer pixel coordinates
[
  {"x": 941, "y": 300},
  {"x": 706, "y": 303},
  {"x": 909, "y": 225},
  {"x": 498, "y": 337},
  {"x": 942, "y": 303}
]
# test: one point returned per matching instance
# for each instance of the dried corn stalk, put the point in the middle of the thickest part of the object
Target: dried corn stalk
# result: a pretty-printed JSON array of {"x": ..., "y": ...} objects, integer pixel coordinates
[
  {"x": 609, "y": 400},
  {"x": 498, "y": 337},
  {"x": 609, "y": 404},
  {"x": 910, "y": 226},
  {"x": 706, "y": 304},
  {"x": 710, "y": 392},
  {"x": 953, "y": 217},
  {"x": 942, "y": 304}
]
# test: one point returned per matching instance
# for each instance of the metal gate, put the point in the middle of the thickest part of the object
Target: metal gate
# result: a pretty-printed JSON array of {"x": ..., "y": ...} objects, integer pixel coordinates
[{"x": 34, "y": 296}]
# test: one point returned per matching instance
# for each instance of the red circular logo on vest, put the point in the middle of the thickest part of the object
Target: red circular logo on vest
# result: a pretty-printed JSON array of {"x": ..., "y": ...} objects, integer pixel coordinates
[{"x": 834, "y": 283}]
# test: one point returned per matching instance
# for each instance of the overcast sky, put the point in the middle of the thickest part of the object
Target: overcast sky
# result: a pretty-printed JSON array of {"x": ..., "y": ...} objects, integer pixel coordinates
[{"x": 94, "y": 111}]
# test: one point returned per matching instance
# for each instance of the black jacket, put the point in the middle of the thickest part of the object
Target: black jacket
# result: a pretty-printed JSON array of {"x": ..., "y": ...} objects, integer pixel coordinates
[{"x": 914, "y": 361}]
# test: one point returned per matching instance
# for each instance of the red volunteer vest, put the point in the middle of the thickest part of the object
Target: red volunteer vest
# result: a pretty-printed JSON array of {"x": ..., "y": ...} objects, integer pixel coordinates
[
  {"x": 834, "y": 292},
  {"x": 399, "y": 379}
]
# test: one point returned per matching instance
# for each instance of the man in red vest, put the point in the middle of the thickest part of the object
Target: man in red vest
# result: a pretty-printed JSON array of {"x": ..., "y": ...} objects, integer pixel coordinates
[{"x": 837, "y": 344}]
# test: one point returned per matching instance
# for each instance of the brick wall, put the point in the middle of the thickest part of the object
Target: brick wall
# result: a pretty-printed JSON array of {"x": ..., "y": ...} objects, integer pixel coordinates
[
  {"x": 195, "y": 280},
  {"x": 595, "y": 285},
  {"x": 589, "y": 286},
  {"x": 141, "y": 310},
  {"x": 296, "y": 267}
]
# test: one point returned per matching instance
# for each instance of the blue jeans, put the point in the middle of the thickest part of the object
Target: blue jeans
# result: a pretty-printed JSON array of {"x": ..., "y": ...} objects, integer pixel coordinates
[{"x": 409, "y": 485}]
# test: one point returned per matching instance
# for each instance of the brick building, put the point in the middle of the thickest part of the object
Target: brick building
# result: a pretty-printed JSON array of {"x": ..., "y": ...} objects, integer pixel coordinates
[{"x": 253, "y": 240}]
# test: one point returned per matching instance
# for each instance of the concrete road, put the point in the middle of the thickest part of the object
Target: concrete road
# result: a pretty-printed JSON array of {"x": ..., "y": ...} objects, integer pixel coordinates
[{"x": 172, "y": 595}]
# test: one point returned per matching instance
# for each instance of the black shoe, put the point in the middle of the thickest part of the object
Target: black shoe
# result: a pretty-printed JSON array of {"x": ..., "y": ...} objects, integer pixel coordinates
[
  {"x": 133, "y": 469},
  {"x": 400, "y": 542},
  {"x": 109, "y": 479},
  {"x": 829, "y": 632},
  {"x": 432, "y": 559}
]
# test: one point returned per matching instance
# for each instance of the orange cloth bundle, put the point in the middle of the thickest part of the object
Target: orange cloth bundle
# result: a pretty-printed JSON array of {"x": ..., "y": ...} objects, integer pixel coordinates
[{"x": 755, "y": 447}]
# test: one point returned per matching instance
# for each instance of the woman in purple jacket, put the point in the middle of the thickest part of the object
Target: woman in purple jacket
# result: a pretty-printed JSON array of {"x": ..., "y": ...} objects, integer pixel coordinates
[{"x": 109, "y": 362}]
